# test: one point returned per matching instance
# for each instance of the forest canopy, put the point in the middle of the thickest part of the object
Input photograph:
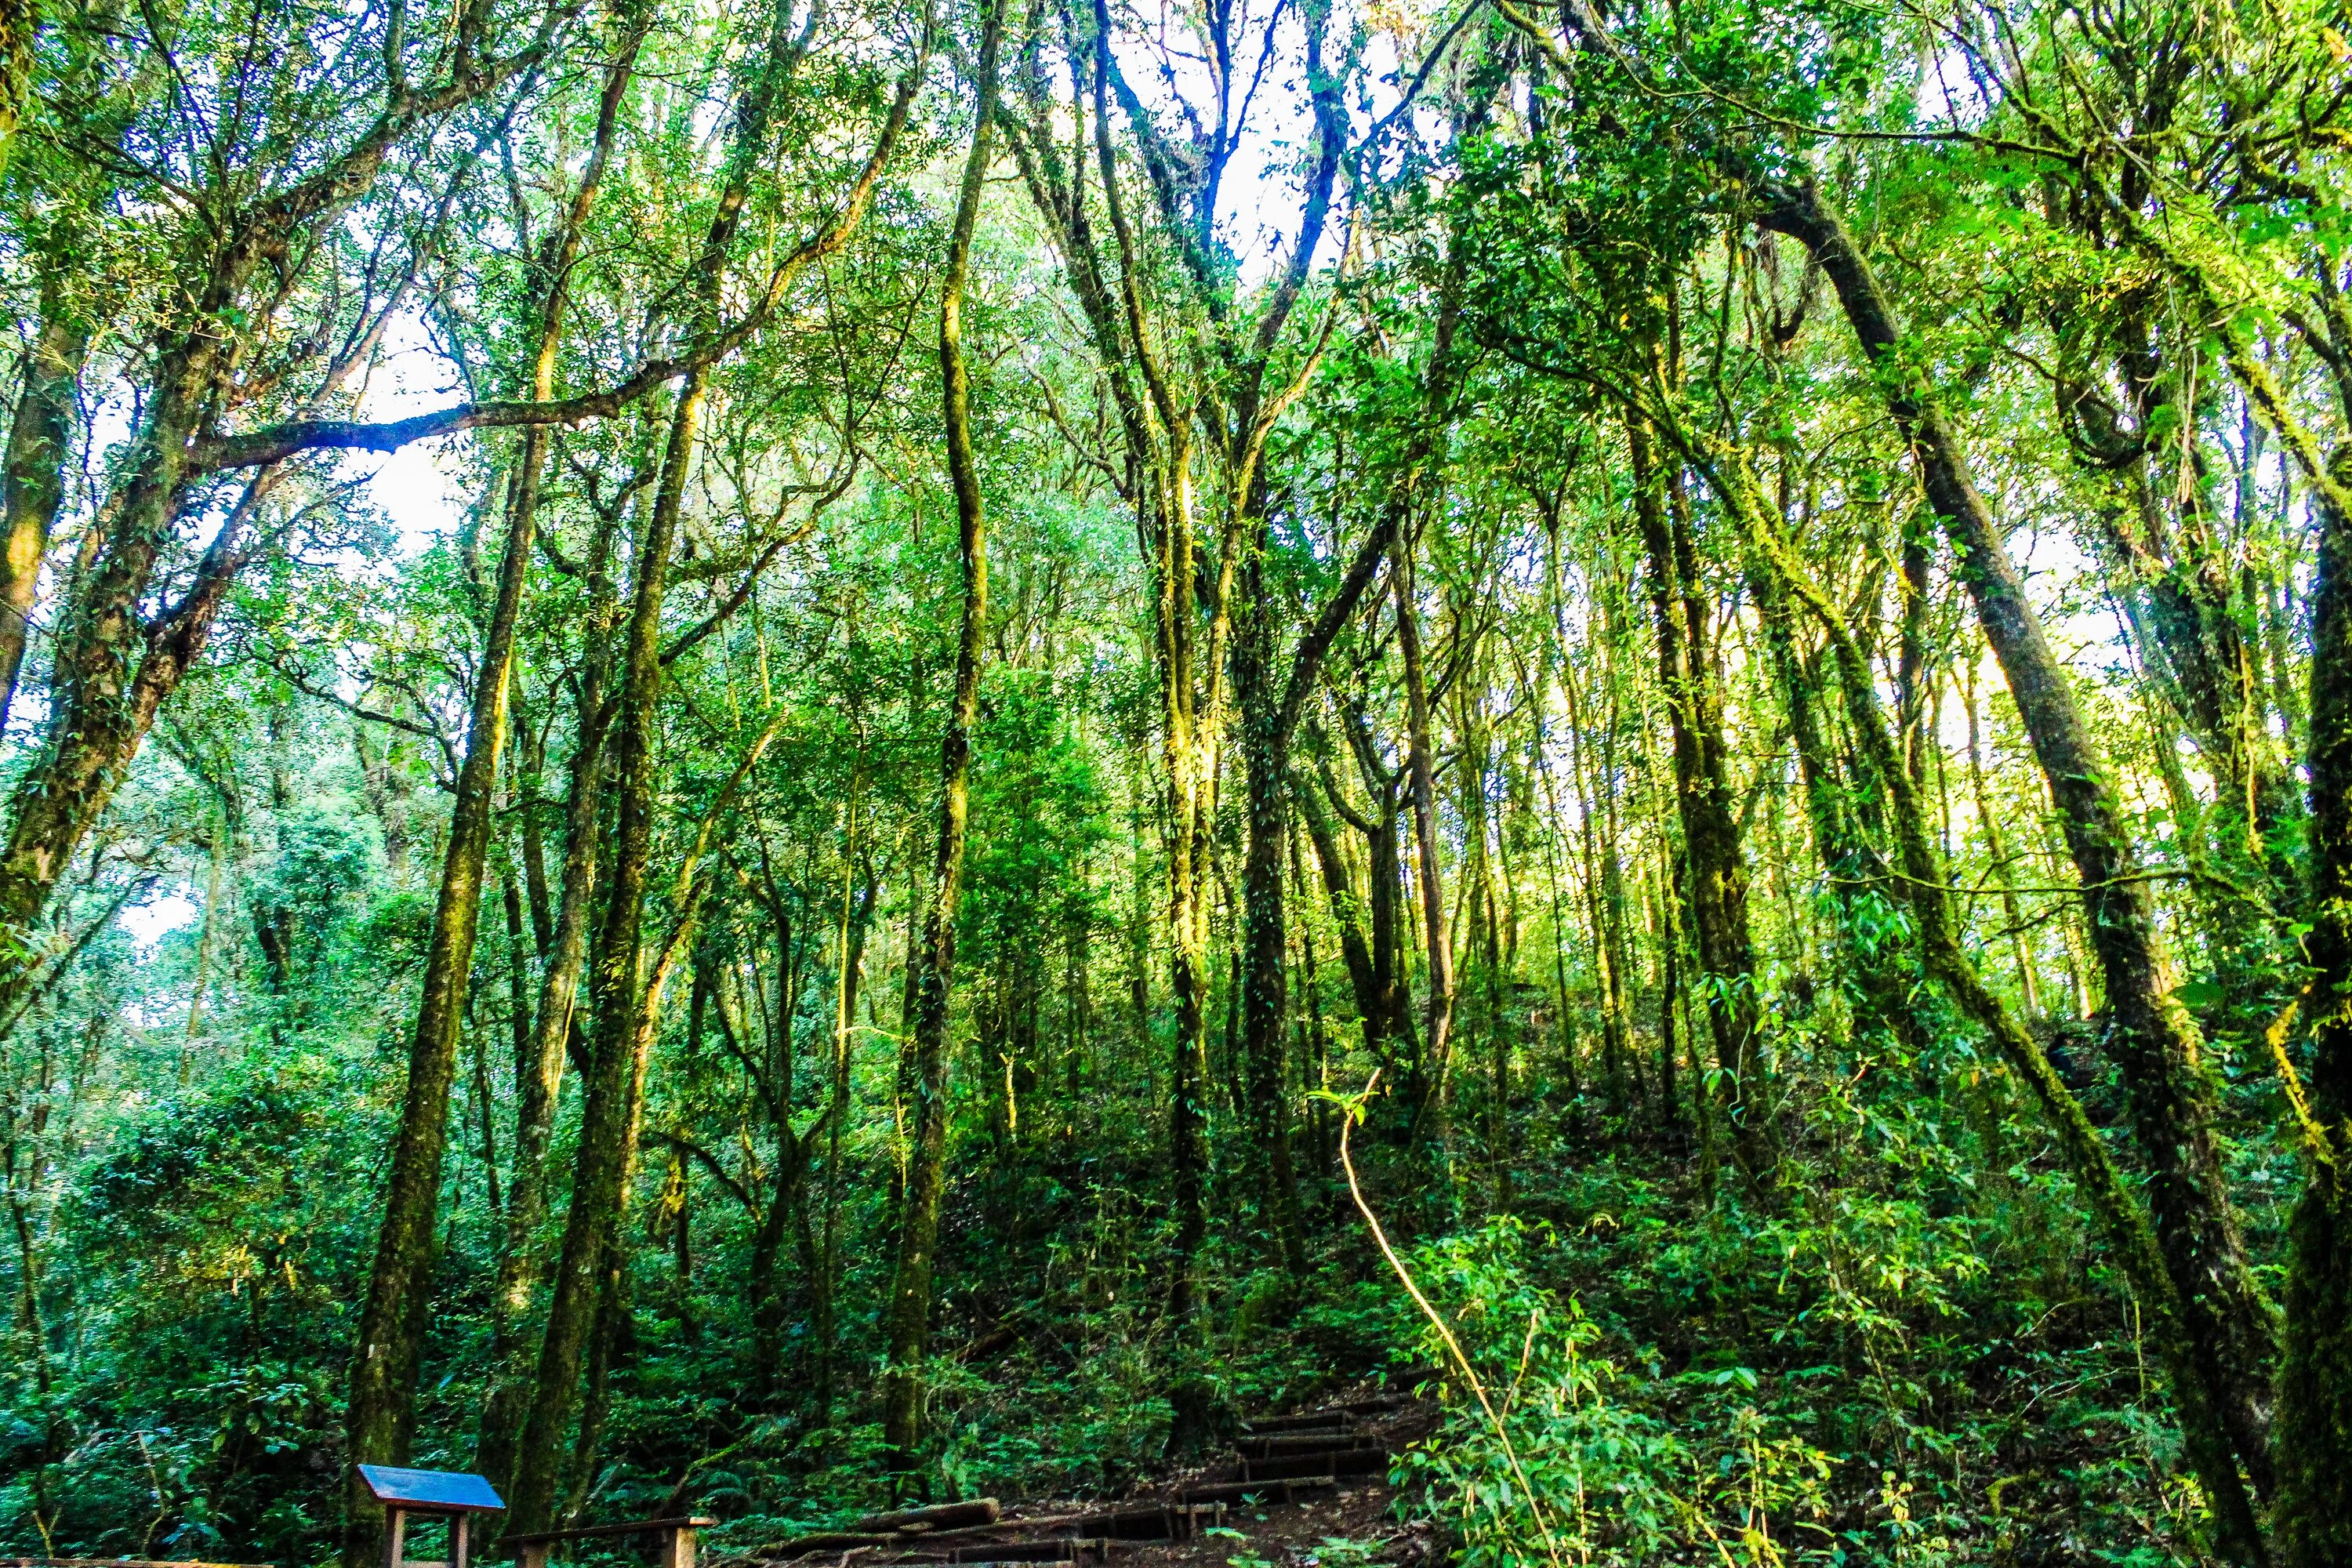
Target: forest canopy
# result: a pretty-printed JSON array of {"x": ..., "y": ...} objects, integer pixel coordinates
[{"x": 771, "y": 759}]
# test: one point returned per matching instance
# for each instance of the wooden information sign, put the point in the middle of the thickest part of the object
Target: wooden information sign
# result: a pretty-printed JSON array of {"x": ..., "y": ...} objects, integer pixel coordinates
[{"x": 451, "y": 1495}]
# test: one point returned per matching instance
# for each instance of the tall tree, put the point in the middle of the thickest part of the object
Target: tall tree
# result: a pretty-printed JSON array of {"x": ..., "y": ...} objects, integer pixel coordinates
[
  {"x": 114, "y": 664},
  {"x": 918, "y": 1220},
  {"x": 379, "y": 1424},
  {"x": 1716, "y": 884},
  {"x": 611, "y": 1094}
]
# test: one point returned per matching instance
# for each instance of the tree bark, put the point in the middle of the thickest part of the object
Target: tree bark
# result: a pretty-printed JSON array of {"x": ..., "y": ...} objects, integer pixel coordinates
[
  {"x": 1421, "y": 766},
  {"x": 539, "y": 1077},
  {"x": 1270, "y": 709},
  {"x": 1355, "y": 950},
  {"x": 856, "y": 919},
  {"x": 1716, "y": 887},
  {"x": 1264, "y": 988},
  {"x": 32, "y": 485},
  {"x": 114, "y": 667},
  {"x": 1270, "y": 719},
  {"x": 539, "y": 1070},
  {"x": 380, "y": 1422},
  {"x": 1875, "y": 958},
  {"x": 908, "y": 1314},
  {"x": 102, "y": 695},
  {"x": 608, "y": 1109},
  {"x": 2314, "y": 1433}
]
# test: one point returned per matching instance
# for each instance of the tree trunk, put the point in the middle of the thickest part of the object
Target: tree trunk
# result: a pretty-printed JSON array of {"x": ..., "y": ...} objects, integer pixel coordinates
[
  {"x": 1270, "y": 719},
  {"x": 99, "y": 710},
  {"x": 32, "y": 485},
  {"x": 1266, "y": 935},
  {"x": 1599, "y": 845},
  {"x": 2201, "y": 1384},
  {"x": 380, "y": 1422},
  {"x": 1996, "y": 850},
  {"x": 539, "y": 1078},
  {"x": 113, "y": 667},
  {"x": 907, "y": 1313},
  {"x": 381, "y": 1414},
  {"x": 609, "y": 1103},
  {"x": 1386, "y": 900},
  {"x": 2201, "y": 616},
  {"x": 1355, "y": 952},
  {"x": 2314, "y": 1433},
  {"x": 1875, "y": 958},
  {"x": 608, "y": 1109},
  {"x": 1421, "y": 770},
  {"x": 1716, "y": 887},
  {"x": 856, "y": 919}
]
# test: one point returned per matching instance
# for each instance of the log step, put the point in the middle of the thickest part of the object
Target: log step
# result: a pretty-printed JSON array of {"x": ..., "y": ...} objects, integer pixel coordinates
[
  {"x": 1179, "y": 1522},
  {"x": 1365, "y": 1461},
  {"x": 1067, "y": 1549},
  {"x": 822, "y": 1540},
  {"x": 1232, "y": 1492},
  {"x": 1281, "y": 1443},
  {"x": 1312, "y": 1421},
  {"x": 938, "y": 1516}
]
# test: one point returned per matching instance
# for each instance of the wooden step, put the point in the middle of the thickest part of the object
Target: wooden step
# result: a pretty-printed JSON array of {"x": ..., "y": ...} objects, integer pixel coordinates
[
  {"x": 938, "y": 1516},
  {"x": 1364, "y": 1462},
  {"x": 1312, "y": 1421},
  {"x": 1066, "y": 1549},
  {"x": 824, "y": 1541},
  {"x": 1232, "y": 1492},
  {"x": 1179, "y": 1522},
  {"x": 1281, "y": 1443}
]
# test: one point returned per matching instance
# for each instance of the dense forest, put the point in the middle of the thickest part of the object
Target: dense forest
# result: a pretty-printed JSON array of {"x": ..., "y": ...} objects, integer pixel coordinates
[{"x": 767, "y": 758}]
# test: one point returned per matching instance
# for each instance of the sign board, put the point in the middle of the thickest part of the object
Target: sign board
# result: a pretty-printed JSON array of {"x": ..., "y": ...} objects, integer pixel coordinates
[{"x": 430, "y": 1492}]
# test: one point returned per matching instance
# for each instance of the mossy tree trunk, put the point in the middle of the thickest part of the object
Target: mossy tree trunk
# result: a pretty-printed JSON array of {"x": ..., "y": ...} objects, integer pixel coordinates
[
  {"x": 2314, "y": 1411},
  {"x": 907, "y": 1315},
  {"x": 1716, "y": 887}
]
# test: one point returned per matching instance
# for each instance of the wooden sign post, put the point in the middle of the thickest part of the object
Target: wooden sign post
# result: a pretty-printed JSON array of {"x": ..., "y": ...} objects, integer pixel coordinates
[{"x": 448, "y": 1495}]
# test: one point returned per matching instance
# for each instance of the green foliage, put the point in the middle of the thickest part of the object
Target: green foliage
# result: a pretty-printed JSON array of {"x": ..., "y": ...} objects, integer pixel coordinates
[
  {"x": 1580, "y": 1458},
  {"x": 1874, "y": 1323}
]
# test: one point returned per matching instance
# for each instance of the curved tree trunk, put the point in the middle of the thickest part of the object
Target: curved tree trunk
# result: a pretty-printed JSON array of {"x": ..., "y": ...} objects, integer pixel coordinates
[
  {"x": 34, "y": 475},
  {"x": 1420, "y": 768},
  {"x": 538, "y": 1072},
  {"x": 381, "y": 1416},
  {"x": 380, "y": 1420},
  {"x": 608, "y": 1109},
  {"x": 538, "y": 1079}
]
